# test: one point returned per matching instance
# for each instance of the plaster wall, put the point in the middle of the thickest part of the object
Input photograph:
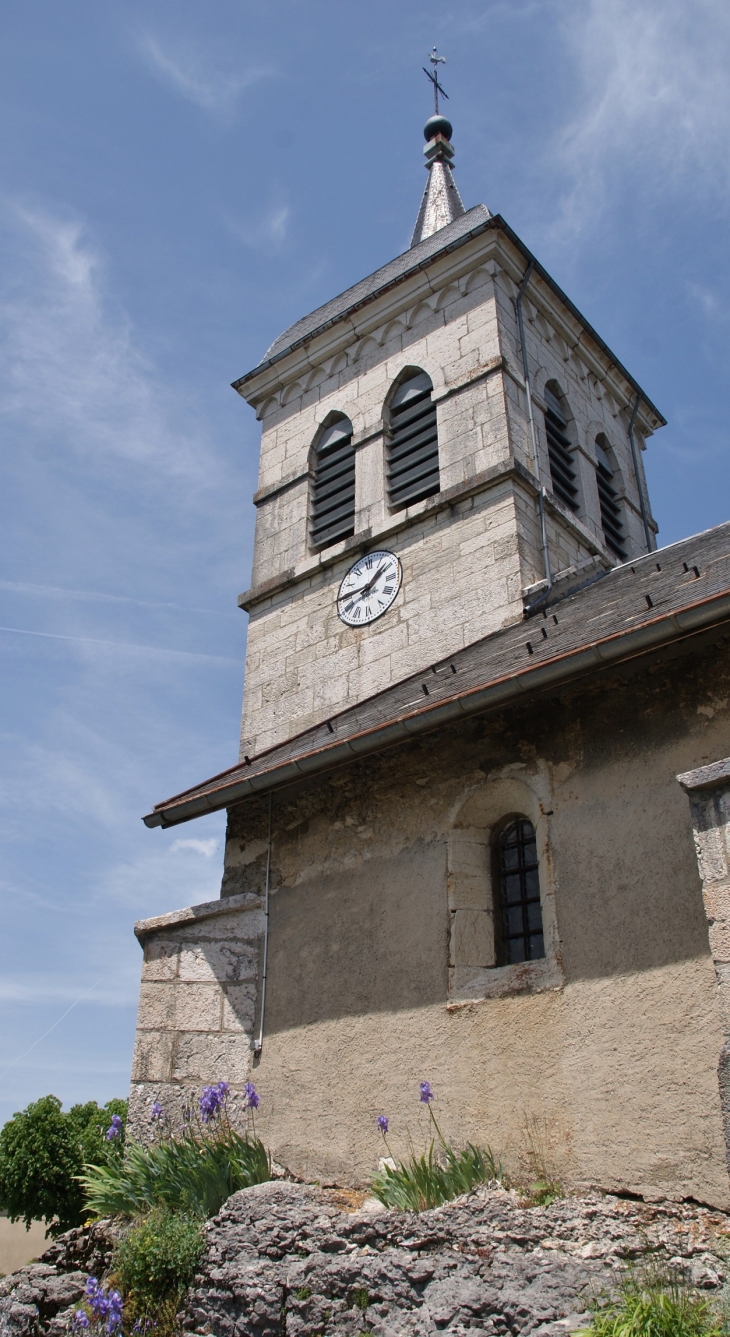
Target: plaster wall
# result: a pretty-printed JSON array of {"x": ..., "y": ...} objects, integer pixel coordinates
[{"x": 381, "y": 962}]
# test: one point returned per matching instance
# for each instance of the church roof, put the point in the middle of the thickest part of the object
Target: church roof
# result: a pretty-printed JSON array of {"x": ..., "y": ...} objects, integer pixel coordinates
[
  {"x": 420, "y": 256},
  {"x": 663, "y": 597}
]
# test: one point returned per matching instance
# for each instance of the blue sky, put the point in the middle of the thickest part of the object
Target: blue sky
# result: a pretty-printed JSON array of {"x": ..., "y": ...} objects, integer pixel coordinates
[{"x": 179, "y": 182}]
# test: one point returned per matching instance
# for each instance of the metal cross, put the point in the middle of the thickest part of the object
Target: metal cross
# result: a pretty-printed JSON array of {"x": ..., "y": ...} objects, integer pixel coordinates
[{"x": 435, "y": 60}]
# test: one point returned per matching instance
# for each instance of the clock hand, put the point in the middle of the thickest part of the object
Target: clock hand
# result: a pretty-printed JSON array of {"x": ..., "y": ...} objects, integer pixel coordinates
[{"x": 364, "y": 589}]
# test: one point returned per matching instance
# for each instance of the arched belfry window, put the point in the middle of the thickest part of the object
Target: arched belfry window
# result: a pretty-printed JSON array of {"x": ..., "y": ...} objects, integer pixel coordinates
[
  {"x": 519, "y": 933},
  {"x": 332, "y": 498},
  {"x": 560, "y": 450},
  {"x": 611, "y": 522},
  {"x": 413, "y": 449}
]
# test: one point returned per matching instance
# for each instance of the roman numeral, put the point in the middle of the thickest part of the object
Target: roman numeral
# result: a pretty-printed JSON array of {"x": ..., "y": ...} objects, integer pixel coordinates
[
  {"x": 388, "y": 589},
  {"x": 369, "y": 563}
]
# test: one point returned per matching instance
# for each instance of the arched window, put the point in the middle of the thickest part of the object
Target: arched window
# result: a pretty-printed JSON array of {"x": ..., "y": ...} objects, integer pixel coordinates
[
  {"x": 413, "y": 449},
  {"x": 332, "y": 498},
  {"x": 560, "y": 450},
  {"x": 520, "y": 933},
  {"x": 612, "y": 524}
]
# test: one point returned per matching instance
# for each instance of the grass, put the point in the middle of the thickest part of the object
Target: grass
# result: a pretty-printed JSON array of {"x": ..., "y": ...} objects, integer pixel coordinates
[
  {"x": 432, "y": 1178},
  {"x": 655, "y": 1304},
  {"x": 192, "y": 1173}
]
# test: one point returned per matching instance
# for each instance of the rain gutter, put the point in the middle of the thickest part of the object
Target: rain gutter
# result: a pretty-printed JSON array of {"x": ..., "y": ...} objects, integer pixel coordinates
[{"x": 619, "y": 646}]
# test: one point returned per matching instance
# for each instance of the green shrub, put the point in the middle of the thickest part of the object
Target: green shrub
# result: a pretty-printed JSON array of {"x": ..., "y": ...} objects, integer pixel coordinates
[
  {"x": 44, "y": 1150},
  {"x": 428, "y": 1180},
  {"x": 155, "y": 1262},
  {"x": 653, "y": 1304},
  {"x": 195, "y": 1172}
]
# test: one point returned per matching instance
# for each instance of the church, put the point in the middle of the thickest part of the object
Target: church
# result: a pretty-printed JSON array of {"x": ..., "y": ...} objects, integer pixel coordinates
[{"x": 479, "y": 829}]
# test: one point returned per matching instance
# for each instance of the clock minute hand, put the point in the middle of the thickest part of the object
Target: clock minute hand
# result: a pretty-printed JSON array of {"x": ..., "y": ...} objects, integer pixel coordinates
[{"x": 365, "y": 589}]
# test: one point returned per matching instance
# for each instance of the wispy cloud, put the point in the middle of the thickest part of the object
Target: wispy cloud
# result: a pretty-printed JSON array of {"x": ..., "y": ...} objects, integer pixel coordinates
[
  {"x": 653, "y": 110},
  {"x": 25, "y": 587},
  {"x": 72, "y": 368},
  {"x": 205, "y": 847},
  {"x": 189, "y": 74},
  {"x": 268, "y": 233},
  {"x": 125, "y": 647}
]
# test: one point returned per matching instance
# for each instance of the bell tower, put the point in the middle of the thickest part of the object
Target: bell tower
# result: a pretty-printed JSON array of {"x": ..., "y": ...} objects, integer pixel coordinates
[{"x": 444, "y": 445}]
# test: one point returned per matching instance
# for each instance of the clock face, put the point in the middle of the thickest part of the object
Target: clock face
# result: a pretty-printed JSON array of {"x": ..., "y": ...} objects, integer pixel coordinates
[{"x": 369, "y": 588}]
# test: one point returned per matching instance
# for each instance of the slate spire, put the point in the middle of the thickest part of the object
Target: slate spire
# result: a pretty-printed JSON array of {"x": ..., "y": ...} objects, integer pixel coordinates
[{"x": 441, "y": 202}]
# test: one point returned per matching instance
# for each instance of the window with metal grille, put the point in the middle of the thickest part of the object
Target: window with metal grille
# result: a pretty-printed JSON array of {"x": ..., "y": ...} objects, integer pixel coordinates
[
  {"x": 560, "y": 450},
  {"x": 519, "y": 893},
  {"x": 332, "y": 498},
  {"x": 413, "y": 450},
  {"x": 613, "y": 529}
]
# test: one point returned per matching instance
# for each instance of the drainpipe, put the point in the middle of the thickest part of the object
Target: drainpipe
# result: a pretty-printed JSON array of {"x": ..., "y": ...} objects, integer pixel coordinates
[
  {"x": 635, "y": 458},
  {"x": 260, "y": 1042},
  {"x": 533, "y": 437}
]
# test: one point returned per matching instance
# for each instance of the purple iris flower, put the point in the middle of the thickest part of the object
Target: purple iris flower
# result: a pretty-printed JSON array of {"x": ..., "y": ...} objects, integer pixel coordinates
[
  {"x": 212, "y": 1100},
  {"x": 116, "y": 1128},
  {"x": 426, "y": 1092},
  {"x": 383, "y": 1123},
  {"x": 252, "y": 1096},
  {"x": 156, "y": 1112},
  {"x": 81, "y": 1319}
]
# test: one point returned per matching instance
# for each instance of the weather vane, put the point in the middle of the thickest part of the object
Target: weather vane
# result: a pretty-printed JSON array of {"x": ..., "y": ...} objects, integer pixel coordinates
[{"x": 435, "y": 60}]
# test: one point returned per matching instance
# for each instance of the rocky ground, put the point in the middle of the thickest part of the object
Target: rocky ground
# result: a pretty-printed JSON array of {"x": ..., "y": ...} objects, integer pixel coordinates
[{"x": 291, "y": 1259}]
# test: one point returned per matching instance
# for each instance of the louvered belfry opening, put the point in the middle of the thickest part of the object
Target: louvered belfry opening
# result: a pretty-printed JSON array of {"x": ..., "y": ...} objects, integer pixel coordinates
[
  {"x": 332, "y": 503},
  {"x": 519, "y": 888},
  {"x": 560, "y": 451},
  {"x": 413, "y": 450},
  {"x": 613, "y": 529}
]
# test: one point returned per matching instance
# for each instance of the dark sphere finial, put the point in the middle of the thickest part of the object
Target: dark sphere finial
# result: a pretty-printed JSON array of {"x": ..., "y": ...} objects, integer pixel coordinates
[{"x": 437, "y": 125}]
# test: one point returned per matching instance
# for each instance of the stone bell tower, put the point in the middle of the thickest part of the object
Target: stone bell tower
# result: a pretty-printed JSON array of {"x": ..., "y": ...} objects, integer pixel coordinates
[{"x": 524, "y": 465}]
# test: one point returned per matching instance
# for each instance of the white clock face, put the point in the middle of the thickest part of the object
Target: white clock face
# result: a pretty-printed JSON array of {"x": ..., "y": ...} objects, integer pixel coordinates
[{"x": 369, "y": 588}]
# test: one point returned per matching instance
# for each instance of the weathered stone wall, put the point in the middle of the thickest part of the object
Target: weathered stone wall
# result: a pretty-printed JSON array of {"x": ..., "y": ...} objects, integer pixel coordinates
[
  {"x": 381, "y": 957},
  {"x": 467, "y": 553},
  {"x": 196, "y": 1004},
  {"x": 708, "y": 788}
]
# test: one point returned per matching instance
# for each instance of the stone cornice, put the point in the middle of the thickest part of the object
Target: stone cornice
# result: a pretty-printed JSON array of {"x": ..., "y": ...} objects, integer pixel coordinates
[{"x": 438, "y": 272}]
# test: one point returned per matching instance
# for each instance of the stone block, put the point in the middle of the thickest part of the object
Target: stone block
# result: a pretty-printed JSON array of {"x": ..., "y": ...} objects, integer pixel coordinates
[
  {"x": 197, "y": 1007},
  {"x": 220, "y": 1056},
  {"x": 152, "y": 1059},
  {"x": 156, "y": 1009},
  {"x": 472, "y": 938},
  {"x": 218, "y": 961},
  {"x": 239, "y": 1004},
  {"x": 161, "y": 956}
]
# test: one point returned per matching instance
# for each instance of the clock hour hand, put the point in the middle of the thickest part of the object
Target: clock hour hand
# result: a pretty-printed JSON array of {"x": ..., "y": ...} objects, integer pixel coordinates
[{"x": 364, "y": 589}]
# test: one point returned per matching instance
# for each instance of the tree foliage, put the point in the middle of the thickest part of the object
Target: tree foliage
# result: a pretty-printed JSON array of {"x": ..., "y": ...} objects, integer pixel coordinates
[{"x": 43, "y": 1150}]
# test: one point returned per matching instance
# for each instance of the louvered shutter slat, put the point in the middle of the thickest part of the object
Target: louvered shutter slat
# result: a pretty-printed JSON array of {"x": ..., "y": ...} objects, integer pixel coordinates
[
  {"x": 332, "y": 497},
  {"x": 413, "y": 459}
]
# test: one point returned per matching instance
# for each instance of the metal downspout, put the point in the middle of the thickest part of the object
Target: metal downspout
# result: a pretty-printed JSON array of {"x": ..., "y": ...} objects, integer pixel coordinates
[
  {"x": 533, "y": 435},
  {"x": 644, "y": 516},
  {"x": 260, "y": 1042}
]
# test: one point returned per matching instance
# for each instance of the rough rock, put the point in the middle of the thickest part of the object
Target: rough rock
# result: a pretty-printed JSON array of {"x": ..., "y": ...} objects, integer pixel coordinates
[
  {"x": 290, "y": 1259},
  {"x": 40, "y": 1298}
]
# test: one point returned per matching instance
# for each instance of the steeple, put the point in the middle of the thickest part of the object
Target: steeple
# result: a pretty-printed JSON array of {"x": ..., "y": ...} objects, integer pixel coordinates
[{"x": 441, "y": 202}]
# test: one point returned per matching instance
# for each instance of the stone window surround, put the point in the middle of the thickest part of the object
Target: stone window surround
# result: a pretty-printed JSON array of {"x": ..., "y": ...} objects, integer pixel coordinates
[
  {"x": 708, "y": 790},
  {"x": 473, "y": 975}
]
